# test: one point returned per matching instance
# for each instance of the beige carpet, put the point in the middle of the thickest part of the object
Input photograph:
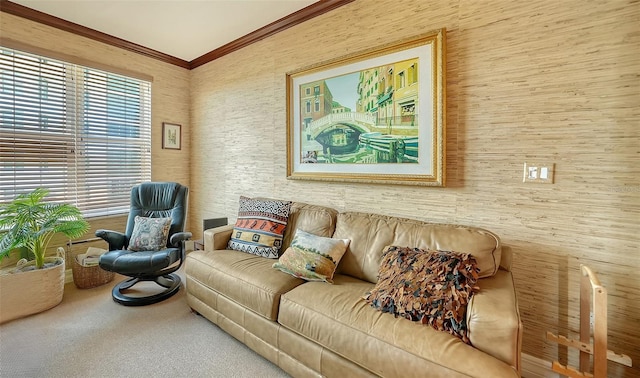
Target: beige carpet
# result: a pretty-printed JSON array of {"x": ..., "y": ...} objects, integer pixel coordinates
[{"x": 89, "y": 335}]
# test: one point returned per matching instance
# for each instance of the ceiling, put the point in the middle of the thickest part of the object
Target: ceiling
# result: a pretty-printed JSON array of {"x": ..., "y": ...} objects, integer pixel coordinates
[{"x": 185, "y": 29}]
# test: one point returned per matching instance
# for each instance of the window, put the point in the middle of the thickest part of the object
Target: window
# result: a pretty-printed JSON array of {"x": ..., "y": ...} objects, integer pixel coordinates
[
  {"x": 413, "y": 73},
  {"x": 401, "y": 80},
  {"x": 83, "y": 133}
]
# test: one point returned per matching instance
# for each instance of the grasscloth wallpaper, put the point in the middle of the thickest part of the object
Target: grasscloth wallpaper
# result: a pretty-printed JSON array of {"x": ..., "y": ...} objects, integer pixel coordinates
[
  {"x": 543, "y": 81},
  {"x": 550, "y": 81}
]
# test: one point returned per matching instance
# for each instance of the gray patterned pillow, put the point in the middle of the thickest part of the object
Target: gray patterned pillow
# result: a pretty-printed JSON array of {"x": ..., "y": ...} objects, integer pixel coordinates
[{"x": 149, "y": 234}]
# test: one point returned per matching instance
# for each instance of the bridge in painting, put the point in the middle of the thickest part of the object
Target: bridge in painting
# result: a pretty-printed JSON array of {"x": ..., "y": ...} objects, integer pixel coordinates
[
  {"x": 344, "y": 134},
  {"x": 361, "y": 122}
]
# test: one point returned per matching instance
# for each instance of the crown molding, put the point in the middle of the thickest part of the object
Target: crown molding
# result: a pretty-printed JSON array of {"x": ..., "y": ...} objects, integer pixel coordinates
[
  {"x": 284, "y": 23},
  {"x": 304, "y": 14},
  {"x": 58, "y": 23}
]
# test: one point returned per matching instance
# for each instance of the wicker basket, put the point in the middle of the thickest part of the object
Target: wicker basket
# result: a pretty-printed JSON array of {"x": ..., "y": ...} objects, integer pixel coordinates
[
  {"x": 86, "y": 277},
  {"x": 30, "y": 292}
]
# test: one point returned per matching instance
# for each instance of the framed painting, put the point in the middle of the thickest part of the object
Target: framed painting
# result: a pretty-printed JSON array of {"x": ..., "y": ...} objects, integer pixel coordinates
[
  {"x": 171, "y": 136},
  {"x": 377, "y": 116}
]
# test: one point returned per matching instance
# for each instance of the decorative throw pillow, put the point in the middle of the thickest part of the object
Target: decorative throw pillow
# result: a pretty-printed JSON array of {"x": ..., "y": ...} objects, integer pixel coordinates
[
  {"x": 311, "y": 257},
  {"x": 260, "y": 226},
  {"x": 432, "y": 287},
  {"x": 149, "y": 234}
]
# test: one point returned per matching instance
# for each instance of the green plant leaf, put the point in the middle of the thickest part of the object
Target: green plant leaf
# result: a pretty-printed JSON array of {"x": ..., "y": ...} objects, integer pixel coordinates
[{"x": 29, "y": 221}]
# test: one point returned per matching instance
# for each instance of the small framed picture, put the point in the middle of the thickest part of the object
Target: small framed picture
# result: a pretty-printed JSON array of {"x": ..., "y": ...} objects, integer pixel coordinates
[{"x": 171, "y": 136}]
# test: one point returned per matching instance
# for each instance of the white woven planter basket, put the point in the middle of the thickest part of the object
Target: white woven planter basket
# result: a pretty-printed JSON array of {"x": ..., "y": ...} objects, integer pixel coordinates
[{"x": 30, "y": 292}]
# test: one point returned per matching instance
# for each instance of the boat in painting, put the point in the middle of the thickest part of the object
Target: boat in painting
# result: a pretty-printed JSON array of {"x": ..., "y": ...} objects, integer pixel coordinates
[
  {"x": 384, "y": 143},
  {"x": 339, "y": 139}
]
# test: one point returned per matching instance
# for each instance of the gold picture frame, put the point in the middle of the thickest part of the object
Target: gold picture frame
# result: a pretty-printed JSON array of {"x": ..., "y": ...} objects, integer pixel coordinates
[{"x": 377, "y": 116}]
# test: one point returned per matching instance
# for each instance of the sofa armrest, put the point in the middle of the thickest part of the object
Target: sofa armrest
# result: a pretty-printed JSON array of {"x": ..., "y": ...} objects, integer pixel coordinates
[
  {"x": 217, "y": 238},
  {"x": 493, "y": 319},
  {"x": 506, "y": 258}
]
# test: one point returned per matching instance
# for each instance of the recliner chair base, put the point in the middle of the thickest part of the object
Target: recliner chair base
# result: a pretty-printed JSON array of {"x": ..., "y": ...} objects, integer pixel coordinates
[{"x": 169, "y": 281}]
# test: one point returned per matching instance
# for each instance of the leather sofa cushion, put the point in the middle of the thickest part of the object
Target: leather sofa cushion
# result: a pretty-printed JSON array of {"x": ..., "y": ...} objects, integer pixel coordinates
[
  {"x": 371, "y": 233},
  {"x": 314, "y": 219},
  {"x": 246, "y": 279},
  {"x": 336, "y": 317}
]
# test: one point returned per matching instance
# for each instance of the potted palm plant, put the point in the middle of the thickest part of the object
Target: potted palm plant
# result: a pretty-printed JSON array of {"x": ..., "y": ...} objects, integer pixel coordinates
[{"x": 29, "y": 222}]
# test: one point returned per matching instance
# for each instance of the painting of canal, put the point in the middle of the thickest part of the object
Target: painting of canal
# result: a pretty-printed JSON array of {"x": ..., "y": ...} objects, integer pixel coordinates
[
  {"x": 363, "y": 117},
  {"x": 373, "y": 116}
]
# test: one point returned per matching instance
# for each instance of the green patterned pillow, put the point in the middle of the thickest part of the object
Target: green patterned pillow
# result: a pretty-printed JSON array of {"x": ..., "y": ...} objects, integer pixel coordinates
[
  {"x": 311, "y": 257},
  {"x": 149, "y": 234},
  {"x": 431, "y": 287}
]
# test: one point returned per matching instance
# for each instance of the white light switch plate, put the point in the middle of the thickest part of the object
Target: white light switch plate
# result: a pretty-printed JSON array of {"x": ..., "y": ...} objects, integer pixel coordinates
[{"x": 538, "y": 172}]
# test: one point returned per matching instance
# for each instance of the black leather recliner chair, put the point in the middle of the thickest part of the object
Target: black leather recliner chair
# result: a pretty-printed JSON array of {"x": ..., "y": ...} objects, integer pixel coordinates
[{"x": 153, "y": 200}]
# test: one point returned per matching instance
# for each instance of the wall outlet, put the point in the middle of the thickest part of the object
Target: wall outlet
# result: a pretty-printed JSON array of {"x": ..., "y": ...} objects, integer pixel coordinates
[{"x": 540, "y": 173}]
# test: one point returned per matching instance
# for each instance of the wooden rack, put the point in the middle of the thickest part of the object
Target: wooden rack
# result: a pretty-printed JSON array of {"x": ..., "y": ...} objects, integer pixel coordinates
[{"x": 591, "y": 292}]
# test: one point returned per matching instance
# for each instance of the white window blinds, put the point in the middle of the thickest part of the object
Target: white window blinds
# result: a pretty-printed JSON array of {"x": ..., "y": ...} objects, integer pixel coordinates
[{"x": 83, "y": 133}]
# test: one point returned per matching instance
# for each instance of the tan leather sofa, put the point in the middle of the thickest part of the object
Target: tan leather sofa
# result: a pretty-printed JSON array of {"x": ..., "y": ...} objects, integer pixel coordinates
[{"x": 316, "y": 329}]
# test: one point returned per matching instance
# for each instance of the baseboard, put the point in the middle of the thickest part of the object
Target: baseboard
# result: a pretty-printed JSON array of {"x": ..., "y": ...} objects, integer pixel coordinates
[{"x": 534, "y": 367}]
